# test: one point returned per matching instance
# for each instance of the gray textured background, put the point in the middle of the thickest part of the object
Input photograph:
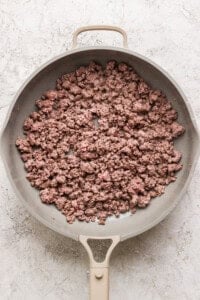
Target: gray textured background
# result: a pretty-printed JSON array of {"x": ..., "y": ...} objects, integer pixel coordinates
[{"x": 36, "y": 263}]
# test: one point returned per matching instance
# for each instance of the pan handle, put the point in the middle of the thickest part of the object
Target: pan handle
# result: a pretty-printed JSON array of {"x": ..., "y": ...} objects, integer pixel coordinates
[
  {"x": 99, "y": 276},
  {"x": 99, "y": 27}
]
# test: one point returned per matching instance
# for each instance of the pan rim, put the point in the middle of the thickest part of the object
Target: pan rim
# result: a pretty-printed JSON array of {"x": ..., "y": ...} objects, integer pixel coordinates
[{"x": 84, "y": 49}]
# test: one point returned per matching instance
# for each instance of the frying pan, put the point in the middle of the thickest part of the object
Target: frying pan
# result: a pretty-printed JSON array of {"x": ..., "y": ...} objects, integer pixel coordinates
[{"x": 127, "y": 225}]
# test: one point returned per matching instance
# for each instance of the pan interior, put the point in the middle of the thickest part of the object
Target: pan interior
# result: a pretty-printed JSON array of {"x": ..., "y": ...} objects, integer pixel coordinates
[{"x": 127, "y": 225}]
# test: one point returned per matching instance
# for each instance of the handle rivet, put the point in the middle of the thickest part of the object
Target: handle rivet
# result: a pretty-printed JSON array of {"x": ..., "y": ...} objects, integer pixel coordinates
[{"x": 99, "y": 274}]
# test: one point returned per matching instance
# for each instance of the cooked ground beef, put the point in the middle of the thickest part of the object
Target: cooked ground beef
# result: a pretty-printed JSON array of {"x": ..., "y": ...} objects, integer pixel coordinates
[{"x": 101, "y": 143}]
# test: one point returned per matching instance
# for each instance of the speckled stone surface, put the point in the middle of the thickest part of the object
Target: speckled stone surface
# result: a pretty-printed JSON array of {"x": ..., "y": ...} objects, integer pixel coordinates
[{"x": 35, "y": 262}]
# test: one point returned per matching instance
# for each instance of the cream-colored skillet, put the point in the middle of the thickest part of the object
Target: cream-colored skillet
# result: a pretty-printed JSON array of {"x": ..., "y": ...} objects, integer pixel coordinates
[{"x": 115, "y": 229}]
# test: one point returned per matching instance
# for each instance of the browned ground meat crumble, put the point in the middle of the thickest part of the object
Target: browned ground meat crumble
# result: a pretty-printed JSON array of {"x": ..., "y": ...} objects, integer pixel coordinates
[{"x": 101, "y": 143}]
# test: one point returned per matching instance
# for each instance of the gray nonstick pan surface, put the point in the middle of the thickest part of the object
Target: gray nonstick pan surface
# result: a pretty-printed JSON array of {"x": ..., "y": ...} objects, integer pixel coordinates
[{"x": 127, "y": 225}]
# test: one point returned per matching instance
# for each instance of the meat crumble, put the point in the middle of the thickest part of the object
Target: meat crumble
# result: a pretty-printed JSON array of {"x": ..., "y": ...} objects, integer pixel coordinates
[{"x": 101, "y": 143}]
